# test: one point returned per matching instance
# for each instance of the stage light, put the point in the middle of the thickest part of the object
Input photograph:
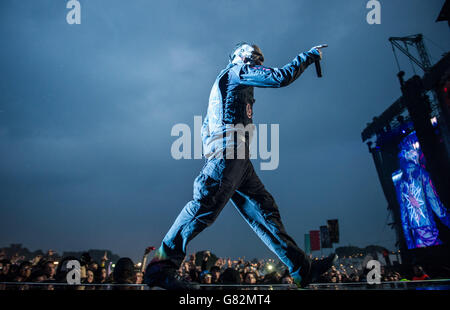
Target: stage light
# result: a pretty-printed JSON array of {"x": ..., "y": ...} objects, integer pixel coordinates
[
  {"x": 270, "y": 267},
  {"x": 139, "y": 264},
  {"x": 113, "y": 265},
  {"x": 433, "y": 121},
  {"x": 56, "y": 263}
]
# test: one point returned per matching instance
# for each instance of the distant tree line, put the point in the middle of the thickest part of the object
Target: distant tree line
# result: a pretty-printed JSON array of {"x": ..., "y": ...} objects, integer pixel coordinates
[
  {"x": 354, "y": 250},
  {"x": 17, "y": 250}
]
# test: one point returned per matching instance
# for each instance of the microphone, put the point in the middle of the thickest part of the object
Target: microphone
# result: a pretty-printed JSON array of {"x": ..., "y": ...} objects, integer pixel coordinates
[
  {"x": 318, "y": 68},
  {"x": 317, "y": 62}
]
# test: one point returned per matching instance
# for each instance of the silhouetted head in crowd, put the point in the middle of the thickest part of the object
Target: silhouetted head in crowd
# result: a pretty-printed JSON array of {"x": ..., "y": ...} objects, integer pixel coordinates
[
  {"x": 24, "y": 273},
  {"x": 93, "y": 266},
  {"x": 272, "y": 278},
  {"x": 38, "y": 275},
  {"x": 230, "y": 276},
  {"x": 250, "y": 278},
  {"x": 206, "y": 278},
  {"x": 124, "y": 271},
  {"x": 6, "y": 265},
  {"x": 5, "y": 272},
  {"x": 85, "y": 259},
  {"x": 215, "y": 273},
  {"x": 89, "y": 276},
  {"x": 49, "y": 269},
  {"x": 418, "y": 271},
  {"x": 100, "y": 275}
]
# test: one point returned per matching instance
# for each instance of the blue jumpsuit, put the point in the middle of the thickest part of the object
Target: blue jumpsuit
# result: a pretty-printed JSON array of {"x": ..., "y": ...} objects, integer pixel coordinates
[{"x": 226, "y": 177}]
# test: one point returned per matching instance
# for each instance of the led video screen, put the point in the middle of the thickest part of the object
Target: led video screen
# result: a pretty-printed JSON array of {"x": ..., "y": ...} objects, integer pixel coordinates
[{"x": 420, "y": 206}]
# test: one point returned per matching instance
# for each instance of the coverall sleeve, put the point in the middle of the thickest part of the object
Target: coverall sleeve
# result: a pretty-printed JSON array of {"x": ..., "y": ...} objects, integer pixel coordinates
[
  {"x": 434, "y": 201},
  {"x": 261, "y": 76}
]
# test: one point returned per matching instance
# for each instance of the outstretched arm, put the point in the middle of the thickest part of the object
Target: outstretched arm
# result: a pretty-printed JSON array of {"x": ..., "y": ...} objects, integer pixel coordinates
[
  {"x": 261, "y": 76},
  {"x": 400, "y": 189}
]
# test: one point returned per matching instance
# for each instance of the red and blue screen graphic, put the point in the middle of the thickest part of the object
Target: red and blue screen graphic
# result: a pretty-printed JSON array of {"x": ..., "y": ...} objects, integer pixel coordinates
[{"x": 420, "y": 206}]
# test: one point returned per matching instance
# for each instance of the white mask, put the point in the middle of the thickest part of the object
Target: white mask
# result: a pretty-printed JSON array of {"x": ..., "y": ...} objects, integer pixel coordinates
[{"x": 248, "y": 54}]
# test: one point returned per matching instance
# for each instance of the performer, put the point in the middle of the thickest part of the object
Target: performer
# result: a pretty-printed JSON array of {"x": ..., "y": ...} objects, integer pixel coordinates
[{"x": 229, "y": 174}]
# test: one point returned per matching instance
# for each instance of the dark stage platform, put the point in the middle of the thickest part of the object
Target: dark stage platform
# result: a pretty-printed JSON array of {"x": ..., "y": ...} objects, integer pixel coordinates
[{"x": 443, "y": 284}]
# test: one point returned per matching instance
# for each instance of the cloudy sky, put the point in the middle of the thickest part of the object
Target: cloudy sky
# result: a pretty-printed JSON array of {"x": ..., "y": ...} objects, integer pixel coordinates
[{"x": 86, "y": 113}]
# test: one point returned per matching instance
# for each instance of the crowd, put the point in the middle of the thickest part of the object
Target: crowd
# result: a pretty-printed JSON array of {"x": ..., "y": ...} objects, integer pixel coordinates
[
  {"x": 228, "y": 271},
  {"x": 202, "y": 268},
  {"x": 348, "y": 270}
]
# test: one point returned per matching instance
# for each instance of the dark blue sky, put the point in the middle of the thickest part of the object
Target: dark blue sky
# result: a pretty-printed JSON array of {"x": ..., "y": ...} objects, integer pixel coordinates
[{"x": 86, "y": 113}]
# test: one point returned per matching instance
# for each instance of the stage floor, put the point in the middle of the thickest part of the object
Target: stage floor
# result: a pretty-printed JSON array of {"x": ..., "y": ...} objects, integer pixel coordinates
[{"x": 443, "y": 284}]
